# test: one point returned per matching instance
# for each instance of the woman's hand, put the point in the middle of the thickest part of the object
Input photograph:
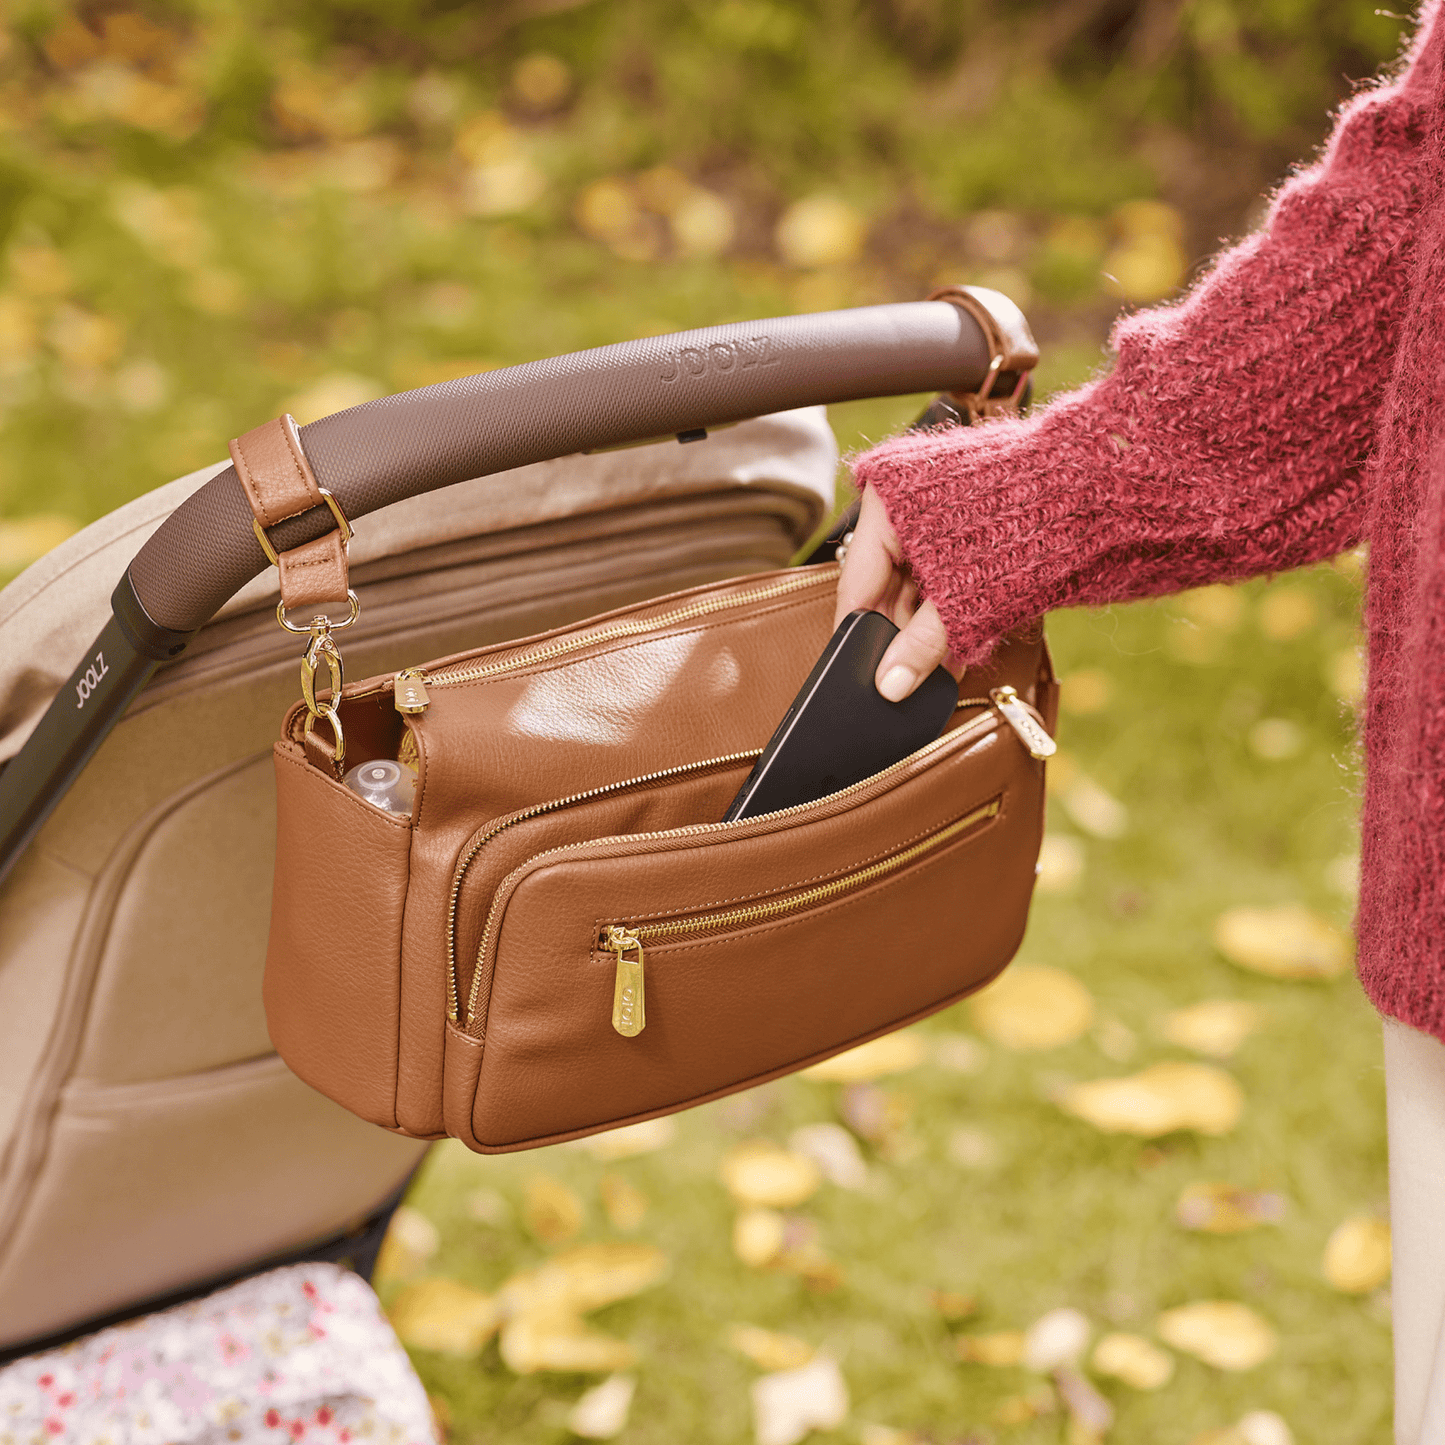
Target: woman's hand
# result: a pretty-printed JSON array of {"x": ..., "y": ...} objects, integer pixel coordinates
[{"x": 876, "y": 577}]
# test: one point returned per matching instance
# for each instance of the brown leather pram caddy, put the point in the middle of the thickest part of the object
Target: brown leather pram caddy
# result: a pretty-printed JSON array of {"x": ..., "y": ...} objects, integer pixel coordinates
[{"x": 154, "y": 1144}]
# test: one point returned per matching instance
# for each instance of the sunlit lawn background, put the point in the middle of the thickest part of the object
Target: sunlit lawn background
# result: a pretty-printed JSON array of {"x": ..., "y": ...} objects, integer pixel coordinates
[{"x": 214, "y": 211}]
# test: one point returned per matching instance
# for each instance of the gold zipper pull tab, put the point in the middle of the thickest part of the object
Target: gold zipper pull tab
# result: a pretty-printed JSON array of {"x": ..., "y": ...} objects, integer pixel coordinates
[
  {"x": 629, "y": 1011},
  {"x": 411, "y": 693},
  {"x": 1020, "y": 717}
]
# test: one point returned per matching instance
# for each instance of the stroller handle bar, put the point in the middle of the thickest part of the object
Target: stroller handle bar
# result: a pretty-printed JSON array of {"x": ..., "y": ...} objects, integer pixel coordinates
[{"x": 398, "y": 447}]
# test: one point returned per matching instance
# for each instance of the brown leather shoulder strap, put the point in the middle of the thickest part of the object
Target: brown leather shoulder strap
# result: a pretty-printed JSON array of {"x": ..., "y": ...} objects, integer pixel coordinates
[{"x": 279, "y": 483}]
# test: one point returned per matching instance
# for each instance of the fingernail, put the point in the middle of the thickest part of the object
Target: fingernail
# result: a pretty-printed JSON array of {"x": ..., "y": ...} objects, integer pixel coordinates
[{"x": 897, "y": 683}]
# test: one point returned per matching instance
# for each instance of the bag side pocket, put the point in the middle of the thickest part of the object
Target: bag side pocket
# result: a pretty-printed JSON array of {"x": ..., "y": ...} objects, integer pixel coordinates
[{"x": 332, "y": 981}]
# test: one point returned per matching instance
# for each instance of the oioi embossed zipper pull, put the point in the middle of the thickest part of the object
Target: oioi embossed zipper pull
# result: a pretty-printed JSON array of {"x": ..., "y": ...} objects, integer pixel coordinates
[
  {"x": 1020, "y": 718},
  {"x": 629, "y": 1007}
]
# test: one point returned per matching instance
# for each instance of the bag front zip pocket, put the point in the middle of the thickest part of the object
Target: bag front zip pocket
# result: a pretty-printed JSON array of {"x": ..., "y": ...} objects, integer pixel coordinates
[
  {"x": 962, "y": 735},
  {"x": 479, "y": 840},
  {"x": 629, "y": 1016}
]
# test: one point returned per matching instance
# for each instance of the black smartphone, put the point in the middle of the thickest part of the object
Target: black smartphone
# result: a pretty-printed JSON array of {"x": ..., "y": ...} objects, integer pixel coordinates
[{"x": 840, "y": 728}]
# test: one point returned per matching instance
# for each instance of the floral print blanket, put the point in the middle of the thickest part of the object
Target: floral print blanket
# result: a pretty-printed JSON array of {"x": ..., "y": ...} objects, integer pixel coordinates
[{"x": 302, "y": 1354}]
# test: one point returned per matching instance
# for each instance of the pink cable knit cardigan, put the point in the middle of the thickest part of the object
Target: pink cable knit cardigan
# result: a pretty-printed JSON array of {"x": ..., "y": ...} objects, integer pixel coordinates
[{"x": 1292, "y": 404}]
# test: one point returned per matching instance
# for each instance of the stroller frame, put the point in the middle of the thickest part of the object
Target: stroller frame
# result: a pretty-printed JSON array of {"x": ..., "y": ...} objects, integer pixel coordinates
[{"x": 381, "y": 453}]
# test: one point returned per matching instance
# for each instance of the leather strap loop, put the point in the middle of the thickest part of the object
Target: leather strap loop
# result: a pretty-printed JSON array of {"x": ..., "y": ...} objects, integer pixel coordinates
[
  {"x": 279, "y": 483},
  {"x": 1013, "y": 352},
  {"x": 313, "y": 573},
  {"x": 1004, "y": 326}
]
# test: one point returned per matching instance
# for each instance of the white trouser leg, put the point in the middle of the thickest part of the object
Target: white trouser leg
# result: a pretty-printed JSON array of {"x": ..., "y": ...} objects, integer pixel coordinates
[{"x": 1415, "y": 1091}]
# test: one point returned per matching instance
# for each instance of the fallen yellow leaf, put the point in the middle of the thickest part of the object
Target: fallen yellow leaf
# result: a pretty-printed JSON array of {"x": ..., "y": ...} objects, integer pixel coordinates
[
  {"x": 820, "y": 231},
  {"x": 489, "y": 1207},
  {"x": 1032, "y": 1006},
  {"x": 787, "y": 1404},
  {"x": 761, "y": 1173},
  {"x": 804, "y": 1256},
  {"x": 1276, "y": 738},
  {"x": 551, "y": 1211},
  {"x": 1003, "y": 1347},
  {"x": 624, "y": 1203},
  {"x": 601, "y": 1412},
  {"x": 959, "y": 1053},
  {"x": 585, "y": 1278},
  {"x": 1259, "y": 1427},
  {"x": 1219, "y": 606},
  {"x": 1159, "y": 1100},
  {"x": 1222, "y": 1333},
  {"x": 893, "y": 1053},
  {"x": 411, "y": 1240},
  {"x": 1061, "y": 863},
  {"x": 631, "y": 1140},
  {"x": 1214, "y": 1208},
  {"x": 1092, "y": 808},
  {"x": 834, "y": 1150},
  {"x": 541, "y": 81},
  {"x": 758, "y": 1236},
  {"x": 871, "y": 1433},
  {"x": 1216, "y": 1027},
  {"x": 1285, "y": 942},
  {"x": 1345, "y": 673},
  {"x": 1056, "y": 1339},
  {"x": 1087, "y": 691},
  {"x": 1357, "y": 1255},
  {"x": 1264, "y": 1427},
  {"x": 1286, "y": 612},
  {"x": 544, "y": 1340},
  {"x": 1134, "y": 1360},
  {"x": 1020, "y": 1409},
  {"x": 338, "y": 391},
  {"x": 443, "y": 1315},
  {"x": 878, "y": 1115},
  {"x": 769, "y": 1350}
]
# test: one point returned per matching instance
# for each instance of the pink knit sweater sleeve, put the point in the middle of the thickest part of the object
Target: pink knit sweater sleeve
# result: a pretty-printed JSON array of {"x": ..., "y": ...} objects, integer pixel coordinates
[{"x": 1231, "y": 436}]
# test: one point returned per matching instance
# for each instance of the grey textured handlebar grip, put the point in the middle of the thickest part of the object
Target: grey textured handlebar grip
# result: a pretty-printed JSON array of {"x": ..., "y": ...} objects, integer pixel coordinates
[{"x": 400, "y": 446}]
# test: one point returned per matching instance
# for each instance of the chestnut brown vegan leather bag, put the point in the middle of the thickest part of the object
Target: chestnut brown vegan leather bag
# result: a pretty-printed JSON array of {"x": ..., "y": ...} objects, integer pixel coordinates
[{"x": 561, "y": 937}]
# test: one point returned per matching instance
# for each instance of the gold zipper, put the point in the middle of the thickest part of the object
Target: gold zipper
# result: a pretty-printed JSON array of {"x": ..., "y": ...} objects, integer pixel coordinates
[
  {"x": 696, "y": 829},
  {"x": 629, "y": 1012},
  {"x": 502, "y": 824},
  {"x": 418, "y": 681}
]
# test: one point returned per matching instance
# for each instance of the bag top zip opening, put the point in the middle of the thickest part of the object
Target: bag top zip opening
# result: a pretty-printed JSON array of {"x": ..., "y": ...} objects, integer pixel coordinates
[{"x": 412, "y": 685}]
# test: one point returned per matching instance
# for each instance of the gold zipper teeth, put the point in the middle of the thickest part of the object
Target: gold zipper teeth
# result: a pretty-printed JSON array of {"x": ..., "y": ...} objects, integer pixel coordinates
[
  {"x": 757, "y": 911},
  {"x": 814, "y": 576},
  {"x": 696, "y": 829},
  {"x": 504, "y": 823}
]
